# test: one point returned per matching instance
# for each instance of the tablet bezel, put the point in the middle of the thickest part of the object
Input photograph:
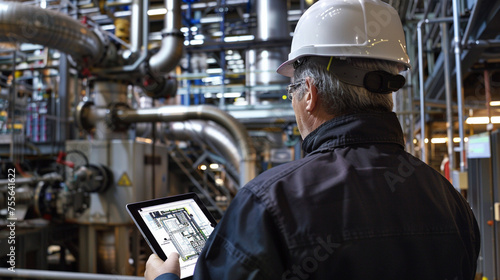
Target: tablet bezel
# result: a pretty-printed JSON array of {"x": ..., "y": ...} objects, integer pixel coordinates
[{"x": 133, "y": 210}]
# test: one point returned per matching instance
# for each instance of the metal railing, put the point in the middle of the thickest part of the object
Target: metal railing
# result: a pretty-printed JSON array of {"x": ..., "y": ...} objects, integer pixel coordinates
[{"x": 61, "y": 275}]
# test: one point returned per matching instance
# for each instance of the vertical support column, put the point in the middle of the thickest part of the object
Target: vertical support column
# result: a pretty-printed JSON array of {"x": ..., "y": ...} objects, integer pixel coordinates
[
  {"x": 87, "y": 249},
  {"x": 122, "y": 251}
]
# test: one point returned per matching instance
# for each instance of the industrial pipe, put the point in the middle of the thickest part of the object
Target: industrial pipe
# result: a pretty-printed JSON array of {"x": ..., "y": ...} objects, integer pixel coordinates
[
  {"x": 202, "y": 112},
  {"x": 172, "y": 43},
  {"x": 136, "y": 20},
  {"x": 211, "y": 134},
  {"x": 472, "y": 19},
  {"x": 423, "y": 152},
  {"x": 32, "y": 180},
  {"x": 61, "y": 275},
  {"x": 31, "y": 24},
  {"x": 449, "y": 102},
  {"x": 208, "y": 132},
  {"x": 139, "y": 31},
  {"x": 421, "y": 80},
  {"x": 460, "y": 92}
]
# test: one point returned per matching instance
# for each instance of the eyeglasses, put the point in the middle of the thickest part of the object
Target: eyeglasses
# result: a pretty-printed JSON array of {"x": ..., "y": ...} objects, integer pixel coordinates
[{"x": 292, "y": 87}]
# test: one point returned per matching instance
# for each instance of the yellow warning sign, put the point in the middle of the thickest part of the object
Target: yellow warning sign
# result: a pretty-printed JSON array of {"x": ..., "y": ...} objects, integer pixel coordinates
[{"x": 124, "y": 180}]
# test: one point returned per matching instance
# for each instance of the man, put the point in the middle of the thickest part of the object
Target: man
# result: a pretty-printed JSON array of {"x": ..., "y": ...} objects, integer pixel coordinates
[{"x": 357, "y": 206}]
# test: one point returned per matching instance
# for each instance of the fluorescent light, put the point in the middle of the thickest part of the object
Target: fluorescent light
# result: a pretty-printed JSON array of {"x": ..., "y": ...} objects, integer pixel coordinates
[
  {"x": 214, "y": 19},
  {"x": 239, "y": 38},
  {"x": 495, "y": 103},
  {"x": 108, "y": 27},
  {"x": 211, "y": 60},
  {"x": 193, "y": 42},
  {"x": 439, "y": 140},
  {"x": 156, "y": 12},
  {"x": 229, "y": 95},
  {"x": 442, "y": 140},
  {"x": 211, "y": 80},
  {"x": 214, "y": 71},
  {"x": 482, "y": 120},
  {"x": 123, "y": 14},
  {"x": 214, "y": 166},
  {"x": 226, "y": 95},
  {"x": 217, "y": 33}
]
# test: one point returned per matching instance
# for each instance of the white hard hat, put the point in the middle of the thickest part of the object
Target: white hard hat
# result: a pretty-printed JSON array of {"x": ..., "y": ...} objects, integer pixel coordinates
[{"x": 348, "y": 28}]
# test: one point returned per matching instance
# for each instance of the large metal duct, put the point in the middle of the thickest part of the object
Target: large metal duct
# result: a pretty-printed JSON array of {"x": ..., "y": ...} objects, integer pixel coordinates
[
  {"x": 204, "y": 112},
  {"x": 172, "y": 43},
  {"x": 31, "y": 24},
  {"x": 272, "y": 24}
]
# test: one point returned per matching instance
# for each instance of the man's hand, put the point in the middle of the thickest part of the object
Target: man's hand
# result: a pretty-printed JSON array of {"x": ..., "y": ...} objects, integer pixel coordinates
[{"x": 156, "y": 267}]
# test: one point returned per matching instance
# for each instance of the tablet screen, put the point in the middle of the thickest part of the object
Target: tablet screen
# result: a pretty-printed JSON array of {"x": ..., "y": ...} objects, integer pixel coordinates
[{"x": 179, "y": 225}]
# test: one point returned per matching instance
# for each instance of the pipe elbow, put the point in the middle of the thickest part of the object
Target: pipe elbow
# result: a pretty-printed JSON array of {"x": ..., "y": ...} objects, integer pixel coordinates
[{"x": 169, "y": 54}]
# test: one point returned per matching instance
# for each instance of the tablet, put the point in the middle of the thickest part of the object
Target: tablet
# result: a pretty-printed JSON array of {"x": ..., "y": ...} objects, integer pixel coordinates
[{"x": 178, "y": 223}]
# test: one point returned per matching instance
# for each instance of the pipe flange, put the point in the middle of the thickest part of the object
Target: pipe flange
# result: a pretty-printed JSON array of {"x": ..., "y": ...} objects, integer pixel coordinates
[
  {"x": 112, "y": 120},
  {"x": 83, "y": 116},
  {"x": 175, "y": 33}
]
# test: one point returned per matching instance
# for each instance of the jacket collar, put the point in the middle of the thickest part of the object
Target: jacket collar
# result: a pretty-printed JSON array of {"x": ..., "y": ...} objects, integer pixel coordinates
[{"x": 360, "y": 128}]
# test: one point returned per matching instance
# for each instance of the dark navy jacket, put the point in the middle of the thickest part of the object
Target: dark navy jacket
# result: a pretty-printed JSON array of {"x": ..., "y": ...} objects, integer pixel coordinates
[{"x": 357, "y": 206}]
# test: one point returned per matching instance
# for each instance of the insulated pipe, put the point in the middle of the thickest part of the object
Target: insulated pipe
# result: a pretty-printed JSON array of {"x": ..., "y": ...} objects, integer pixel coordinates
[
  {"x": 202, "y": 112},
  {"x": 172, "y": 43},
  {"x": 61, "y": 275},
  {"x": 460, "y": 92},
  {"x": 31, "y": 24}
]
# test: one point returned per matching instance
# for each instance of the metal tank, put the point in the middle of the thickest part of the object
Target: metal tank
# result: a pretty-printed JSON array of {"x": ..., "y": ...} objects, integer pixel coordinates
[{"x": 272, "y": 24}]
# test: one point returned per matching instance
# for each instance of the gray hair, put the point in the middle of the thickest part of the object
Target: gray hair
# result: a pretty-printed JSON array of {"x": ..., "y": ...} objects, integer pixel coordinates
[{"x": 339, "y": 98}]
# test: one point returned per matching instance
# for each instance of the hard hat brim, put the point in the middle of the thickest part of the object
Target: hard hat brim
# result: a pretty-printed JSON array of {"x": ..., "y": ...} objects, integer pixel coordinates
[{"x": 286, "y": 68}]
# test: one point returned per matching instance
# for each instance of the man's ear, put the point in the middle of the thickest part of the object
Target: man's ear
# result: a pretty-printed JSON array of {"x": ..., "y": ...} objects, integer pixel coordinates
[{"x": 311, "y": 96}]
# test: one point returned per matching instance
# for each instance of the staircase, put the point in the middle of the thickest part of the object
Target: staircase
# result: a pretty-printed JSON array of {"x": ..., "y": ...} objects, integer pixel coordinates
[{"x": 215, "y": 197}]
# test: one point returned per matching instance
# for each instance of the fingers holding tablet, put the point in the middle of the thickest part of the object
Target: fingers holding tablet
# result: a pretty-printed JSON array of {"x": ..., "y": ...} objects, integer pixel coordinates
[{"x": 156, "y": 266}]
